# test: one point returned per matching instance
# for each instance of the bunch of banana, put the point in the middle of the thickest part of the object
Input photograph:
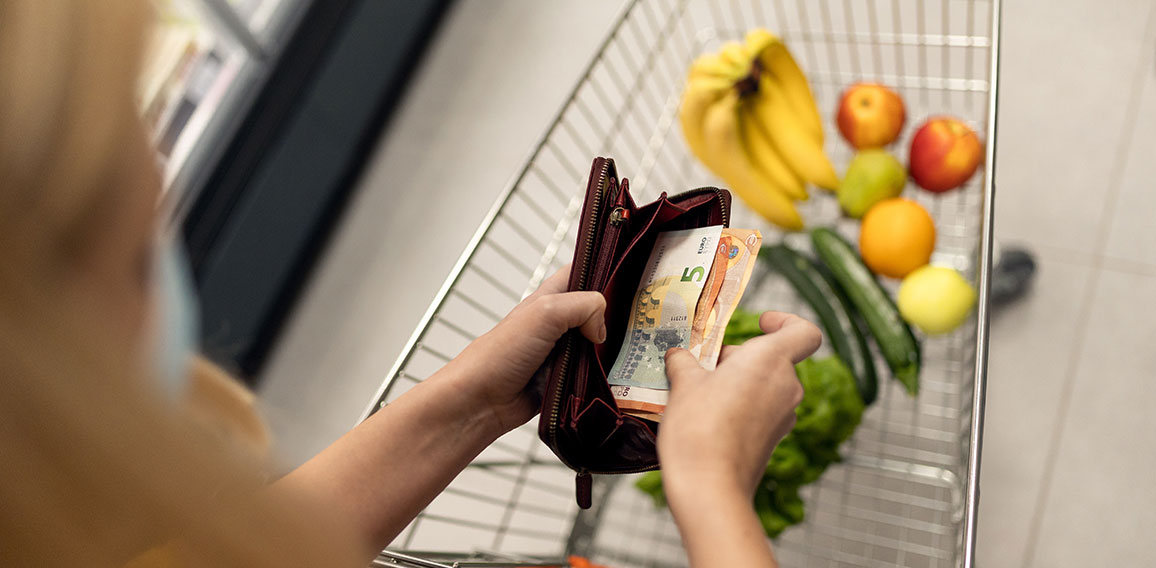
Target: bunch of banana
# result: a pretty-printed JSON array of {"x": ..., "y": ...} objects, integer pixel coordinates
[{"x": 749, "y": 115}]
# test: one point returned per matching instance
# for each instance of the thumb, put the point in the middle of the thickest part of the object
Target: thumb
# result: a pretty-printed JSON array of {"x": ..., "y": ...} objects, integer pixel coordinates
[{"x": 679, "y": 364}]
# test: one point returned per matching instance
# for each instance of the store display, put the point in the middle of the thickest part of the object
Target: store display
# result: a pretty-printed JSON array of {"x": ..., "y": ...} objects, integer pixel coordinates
[
  {"x": 182, "y": 70},
  {"x": 195, "y": 61}
]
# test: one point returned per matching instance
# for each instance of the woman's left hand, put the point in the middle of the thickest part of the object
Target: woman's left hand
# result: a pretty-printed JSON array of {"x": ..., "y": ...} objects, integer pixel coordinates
[
  {"x": 493, "y": 372},
  {"x": 389, "y": 468}
]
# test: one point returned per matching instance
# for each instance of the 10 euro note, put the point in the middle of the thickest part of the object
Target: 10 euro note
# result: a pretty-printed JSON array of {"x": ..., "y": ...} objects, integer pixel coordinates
[
  {"x": 729, "y": 272},
  {"x": 738, "y": 248}
]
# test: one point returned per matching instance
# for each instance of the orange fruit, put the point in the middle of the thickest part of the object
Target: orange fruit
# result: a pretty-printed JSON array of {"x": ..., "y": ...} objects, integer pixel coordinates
[{"x": 896, "y": 237}]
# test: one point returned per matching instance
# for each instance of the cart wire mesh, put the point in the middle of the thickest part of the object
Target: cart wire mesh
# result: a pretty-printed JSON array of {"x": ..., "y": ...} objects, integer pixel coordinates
[{"x": 906, "y": 492}]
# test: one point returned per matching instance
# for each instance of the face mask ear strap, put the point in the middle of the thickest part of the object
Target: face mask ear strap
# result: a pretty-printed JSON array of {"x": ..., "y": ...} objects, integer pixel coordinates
[{"x": 176, "y": 316}]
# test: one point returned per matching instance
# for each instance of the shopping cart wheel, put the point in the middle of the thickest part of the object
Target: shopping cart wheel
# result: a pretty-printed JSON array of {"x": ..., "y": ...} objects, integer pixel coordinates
[{"x": 1012, "y": 275}]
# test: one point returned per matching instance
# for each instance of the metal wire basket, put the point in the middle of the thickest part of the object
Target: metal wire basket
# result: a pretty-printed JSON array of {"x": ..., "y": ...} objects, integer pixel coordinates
[{"x": 906, "y": 493}]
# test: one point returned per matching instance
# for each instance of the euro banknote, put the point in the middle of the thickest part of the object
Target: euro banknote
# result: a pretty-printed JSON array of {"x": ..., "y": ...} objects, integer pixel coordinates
[
  {"x": 695, "y": 318},
  {"x": 664, "y": 306}
]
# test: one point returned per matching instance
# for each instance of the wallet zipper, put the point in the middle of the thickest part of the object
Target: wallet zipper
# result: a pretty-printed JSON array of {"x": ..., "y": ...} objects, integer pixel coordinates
[
  {"x": 722, "y": 203},
  {"x": 600, "y": 272},
  {"x": 617, "y": 217},
  {"x": 583, "y": 482},
  {"x": 583, "y": 275}
]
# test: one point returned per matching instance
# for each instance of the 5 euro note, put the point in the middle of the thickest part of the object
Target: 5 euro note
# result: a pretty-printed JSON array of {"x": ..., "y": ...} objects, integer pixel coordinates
[{"x": 691, "y": 285}]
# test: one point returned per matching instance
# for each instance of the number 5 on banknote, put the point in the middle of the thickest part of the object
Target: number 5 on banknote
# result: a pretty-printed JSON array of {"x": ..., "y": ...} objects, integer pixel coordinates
[{"x": 689, "y": 273}]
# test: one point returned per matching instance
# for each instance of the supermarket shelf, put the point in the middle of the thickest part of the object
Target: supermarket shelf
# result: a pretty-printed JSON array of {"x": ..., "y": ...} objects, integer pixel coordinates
[{"x": 207, "y": 62}]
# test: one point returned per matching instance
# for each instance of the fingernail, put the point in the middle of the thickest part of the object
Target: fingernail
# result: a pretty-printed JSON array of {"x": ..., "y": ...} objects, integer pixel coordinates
[{"x": 602, "y": 334}]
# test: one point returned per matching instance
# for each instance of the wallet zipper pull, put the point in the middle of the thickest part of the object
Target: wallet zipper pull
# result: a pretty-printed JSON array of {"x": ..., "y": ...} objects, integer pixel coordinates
[
  {"x": 618, "y": 215},
  {"x": 584, "y": 485}
]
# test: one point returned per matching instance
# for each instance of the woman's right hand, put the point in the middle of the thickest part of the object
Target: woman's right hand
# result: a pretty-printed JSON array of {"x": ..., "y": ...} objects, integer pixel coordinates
[{"x": 720, "y": 426}]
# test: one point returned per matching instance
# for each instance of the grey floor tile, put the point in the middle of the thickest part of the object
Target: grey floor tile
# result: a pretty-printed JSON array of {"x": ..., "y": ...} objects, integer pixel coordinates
[
  {"x": 1132, "y": 237},
  {"x": 1100, "y": 509},
  {"x": 1066, "y": 71},
  {"x": 1029, "y": 345}
]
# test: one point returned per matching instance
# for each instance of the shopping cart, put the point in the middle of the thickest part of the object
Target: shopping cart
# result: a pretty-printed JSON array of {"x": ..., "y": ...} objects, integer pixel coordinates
[{"x": 906, "y": 493}]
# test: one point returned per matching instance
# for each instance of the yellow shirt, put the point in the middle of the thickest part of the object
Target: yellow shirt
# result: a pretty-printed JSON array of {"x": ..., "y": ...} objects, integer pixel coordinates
[{"x": 227, "y": 409}]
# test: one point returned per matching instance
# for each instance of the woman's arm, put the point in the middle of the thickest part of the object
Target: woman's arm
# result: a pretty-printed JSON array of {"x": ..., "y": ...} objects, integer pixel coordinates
[
  {"x": 388, "y": 468},
  {"x": 718, "y": 432},
  {"x": 385, "y": 470},
  {"x": 719, "y": 526}
]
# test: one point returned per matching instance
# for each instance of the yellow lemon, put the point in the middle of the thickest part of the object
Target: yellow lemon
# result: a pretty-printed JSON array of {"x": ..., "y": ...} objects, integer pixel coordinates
[{"x": 936, "y": 299}]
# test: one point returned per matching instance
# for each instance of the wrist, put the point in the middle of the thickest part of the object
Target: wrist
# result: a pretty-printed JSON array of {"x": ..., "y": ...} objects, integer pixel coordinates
[
  {"x": 694, "y": 488},
  {"x": 717, "y": 521},
  {"x": 459, "y": 403}
]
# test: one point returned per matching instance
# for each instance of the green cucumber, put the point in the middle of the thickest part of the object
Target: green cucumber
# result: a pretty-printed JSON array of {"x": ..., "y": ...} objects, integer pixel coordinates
[
  {"x": 892, "y": 334},
  {"x": 835, "y": 313}
]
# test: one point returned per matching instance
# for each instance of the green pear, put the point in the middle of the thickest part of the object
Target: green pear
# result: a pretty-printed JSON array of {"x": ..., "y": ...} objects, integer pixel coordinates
[{"x": 872, "y": 176}]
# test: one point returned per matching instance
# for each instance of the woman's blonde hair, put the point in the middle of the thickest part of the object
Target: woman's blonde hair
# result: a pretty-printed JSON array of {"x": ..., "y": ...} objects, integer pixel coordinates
[{"x": 94, "y": 466}]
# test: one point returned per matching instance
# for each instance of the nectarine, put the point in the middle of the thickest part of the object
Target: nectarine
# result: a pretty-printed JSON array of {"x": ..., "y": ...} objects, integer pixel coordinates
[
  {"x": 944, "y": 154},
  {"x": 870, "y": 115}
]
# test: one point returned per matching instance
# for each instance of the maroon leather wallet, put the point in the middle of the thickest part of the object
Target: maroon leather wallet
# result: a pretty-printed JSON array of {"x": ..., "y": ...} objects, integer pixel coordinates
[{"x": 580, "y": 421}]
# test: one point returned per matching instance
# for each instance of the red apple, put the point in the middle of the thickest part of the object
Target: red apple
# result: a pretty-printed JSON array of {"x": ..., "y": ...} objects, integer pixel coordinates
[
  {"x": 870, "y": 115},
  {"x": 945, "y": 152}
]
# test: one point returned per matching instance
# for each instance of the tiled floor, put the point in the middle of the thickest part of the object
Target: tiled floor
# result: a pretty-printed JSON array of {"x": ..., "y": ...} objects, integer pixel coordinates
[{"x": 1070, "y": 444}]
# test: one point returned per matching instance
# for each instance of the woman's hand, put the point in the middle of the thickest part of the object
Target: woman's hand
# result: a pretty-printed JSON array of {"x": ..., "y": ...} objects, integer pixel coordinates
[
  {"x": 496, "y": 368},
  {"x": 388, "y": 468},
  {"x": 718, "y": 432},
  {"x": 720, "y": 426}
]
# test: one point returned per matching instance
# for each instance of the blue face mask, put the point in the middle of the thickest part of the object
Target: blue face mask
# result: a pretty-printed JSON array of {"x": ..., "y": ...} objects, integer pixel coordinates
[{"x": 176, "y": 318}]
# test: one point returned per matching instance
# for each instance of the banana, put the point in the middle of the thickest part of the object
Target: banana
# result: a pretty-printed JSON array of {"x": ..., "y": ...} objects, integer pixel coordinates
[
  {"x": 699, "y": 95},
  {"x": 778, "y": 63},
  {"x": 735, "y": 53},
  {"x": 749, "y": 115},
  {"x": 766, "y": 159},
  {"x": 759, "y": 39},
  {"x": 725, "y": 155},
  {"x": 711, "y": 65},
  {"x": 790, "y": 137}
]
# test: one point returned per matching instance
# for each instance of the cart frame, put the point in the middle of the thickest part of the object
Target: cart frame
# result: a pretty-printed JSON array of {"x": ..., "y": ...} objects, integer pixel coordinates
[{"x": 491, "y": 261}]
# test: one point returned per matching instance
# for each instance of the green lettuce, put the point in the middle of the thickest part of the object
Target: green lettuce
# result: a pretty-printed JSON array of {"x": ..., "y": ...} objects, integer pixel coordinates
[{"x": 828, "y": 415}]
